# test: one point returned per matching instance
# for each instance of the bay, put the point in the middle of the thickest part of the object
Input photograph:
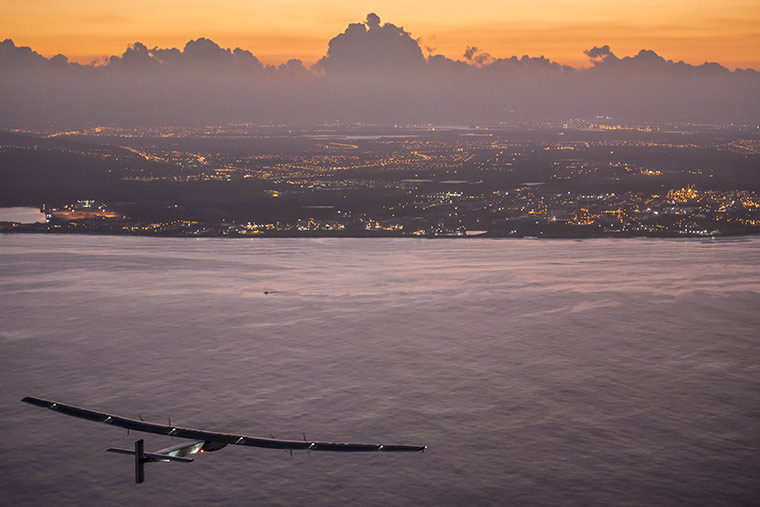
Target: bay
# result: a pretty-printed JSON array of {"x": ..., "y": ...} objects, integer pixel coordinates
[{"x": 538, "y": 372}]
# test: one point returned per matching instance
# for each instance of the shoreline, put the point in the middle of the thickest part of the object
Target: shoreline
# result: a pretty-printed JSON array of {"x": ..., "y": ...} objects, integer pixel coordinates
[{"x": 31, "y": 229}]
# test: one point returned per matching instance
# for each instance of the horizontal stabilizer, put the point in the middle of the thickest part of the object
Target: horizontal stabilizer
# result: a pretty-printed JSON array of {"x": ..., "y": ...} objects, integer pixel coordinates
[
  {"x": 152, "y": 456},
  {"x": 120, "y": 451}
]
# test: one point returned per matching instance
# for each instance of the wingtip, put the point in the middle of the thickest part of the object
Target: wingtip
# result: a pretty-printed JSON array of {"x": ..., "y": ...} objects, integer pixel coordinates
[{"x": 35, "y": 401}]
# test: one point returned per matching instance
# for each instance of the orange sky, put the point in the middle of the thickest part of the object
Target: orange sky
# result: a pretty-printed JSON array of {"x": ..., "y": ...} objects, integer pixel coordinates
[{"x": 726, "y": 31}]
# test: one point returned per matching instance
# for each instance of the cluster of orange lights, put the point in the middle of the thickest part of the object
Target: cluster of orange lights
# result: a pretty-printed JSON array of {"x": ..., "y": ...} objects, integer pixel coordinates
[{"x": 682, "y": 194}]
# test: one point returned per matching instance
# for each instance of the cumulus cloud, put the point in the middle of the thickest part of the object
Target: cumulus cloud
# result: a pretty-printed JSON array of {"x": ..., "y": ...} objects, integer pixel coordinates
[
  {"x": 373, "y": 20},
  {"x": 372, "y": 48},
  {"x": 199, "y": 54},
  {"x": 597, "y": 54},
  {"x": 14, "y": 57},
  {"x": 470, "y": 52},
  {"x": 648, "y": 62},
  {"x": 475, "y": 55},
  {"x": 374, "y": 72}
]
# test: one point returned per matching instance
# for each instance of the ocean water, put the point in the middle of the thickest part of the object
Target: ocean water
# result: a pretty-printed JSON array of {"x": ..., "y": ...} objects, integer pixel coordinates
[{"x": 538, "y": 372}]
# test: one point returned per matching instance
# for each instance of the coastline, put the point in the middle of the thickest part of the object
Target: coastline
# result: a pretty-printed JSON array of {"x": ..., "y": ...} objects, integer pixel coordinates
[{"x": 224, "y": 232}]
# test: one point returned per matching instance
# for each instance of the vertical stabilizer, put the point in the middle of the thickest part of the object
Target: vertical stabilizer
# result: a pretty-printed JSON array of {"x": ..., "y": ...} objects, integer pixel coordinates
[{"x": 139, "y": 461}]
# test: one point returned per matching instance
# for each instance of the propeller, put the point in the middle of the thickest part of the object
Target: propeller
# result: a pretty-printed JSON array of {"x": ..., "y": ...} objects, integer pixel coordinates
[
  {"x": 143, "y": 420},
  {"x": 304, "y": 439},
  {"x": 291, "y": 450}
]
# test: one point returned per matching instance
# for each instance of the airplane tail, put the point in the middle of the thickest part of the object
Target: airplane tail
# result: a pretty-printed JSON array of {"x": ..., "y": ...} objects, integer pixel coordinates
[{"x": 142, "y": 457}]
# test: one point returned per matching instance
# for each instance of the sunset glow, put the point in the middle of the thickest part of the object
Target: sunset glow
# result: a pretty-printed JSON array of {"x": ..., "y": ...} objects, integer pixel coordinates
[{"x": 693, "y": 31}]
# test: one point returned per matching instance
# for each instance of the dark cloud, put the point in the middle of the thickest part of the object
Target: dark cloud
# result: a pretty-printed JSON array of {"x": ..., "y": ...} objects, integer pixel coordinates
[
  {"x": 597, "y": 54},
  {"x": 293, "y": 66},
  {"x": 198, "y": 55},
  {"x": 136, "y": 55},
  {"x": 372, "y": 48},
  {"x": 373, "y": 20},
  {"x": 60, "y": 60},
  {"x": 527, "y": 63},
  {"x": 372, "y": 72},
  {"x": 475, "y": 55},
  {"x": 19, "y": 57},
  {"x": 648, "y": 62}
]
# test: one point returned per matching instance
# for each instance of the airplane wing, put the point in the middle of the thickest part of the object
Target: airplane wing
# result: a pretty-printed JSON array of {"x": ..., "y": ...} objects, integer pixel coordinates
[{"x": 217, "y": 438}]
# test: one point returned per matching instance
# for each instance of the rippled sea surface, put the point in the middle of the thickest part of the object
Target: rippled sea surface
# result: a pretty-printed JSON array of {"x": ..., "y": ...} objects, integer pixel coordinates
[{"x": 597, "y": 372}]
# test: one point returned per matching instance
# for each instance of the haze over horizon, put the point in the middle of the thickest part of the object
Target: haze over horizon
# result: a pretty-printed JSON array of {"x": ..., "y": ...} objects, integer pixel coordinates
[{"x": 374, "y": 71}]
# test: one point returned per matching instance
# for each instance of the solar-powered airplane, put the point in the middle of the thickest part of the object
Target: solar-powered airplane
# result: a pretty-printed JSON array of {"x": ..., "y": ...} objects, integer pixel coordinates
[{"x": 202, "y": 441}]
